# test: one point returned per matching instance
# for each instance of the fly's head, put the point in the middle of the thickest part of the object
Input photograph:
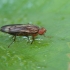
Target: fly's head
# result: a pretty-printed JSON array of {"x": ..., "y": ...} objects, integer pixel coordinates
[{"x": 42, "y": 31}]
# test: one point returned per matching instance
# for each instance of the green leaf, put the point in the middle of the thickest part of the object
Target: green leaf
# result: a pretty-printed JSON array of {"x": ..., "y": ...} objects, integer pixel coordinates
[{"x": 46, "y": 53}]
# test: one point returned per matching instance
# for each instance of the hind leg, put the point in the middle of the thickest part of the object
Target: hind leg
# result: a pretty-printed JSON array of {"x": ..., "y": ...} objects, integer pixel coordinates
[{"x": 14, "y": 38}]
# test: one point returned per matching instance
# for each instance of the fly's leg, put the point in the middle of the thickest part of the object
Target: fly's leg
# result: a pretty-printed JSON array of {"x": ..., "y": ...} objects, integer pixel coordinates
[
  {"x": 33, "y": 38},
  {"x": 14, "y": 38},
  {"x": 28, "y": 39}
]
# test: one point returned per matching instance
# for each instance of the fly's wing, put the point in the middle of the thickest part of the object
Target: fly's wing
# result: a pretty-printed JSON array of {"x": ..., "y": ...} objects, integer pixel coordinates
[
  {"x": 7, "y": 28},
  {"x": 23, "y": 28}
]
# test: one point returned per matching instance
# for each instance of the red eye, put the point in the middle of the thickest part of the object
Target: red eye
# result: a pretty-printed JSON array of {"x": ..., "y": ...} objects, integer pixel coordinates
[{"x": 42, "y": 31}]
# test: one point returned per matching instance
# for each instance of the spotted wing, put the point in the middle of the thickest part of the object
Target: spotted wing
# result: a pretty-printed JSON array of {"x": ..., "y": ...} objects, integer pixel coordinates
[{"x": 19, "y": 28}]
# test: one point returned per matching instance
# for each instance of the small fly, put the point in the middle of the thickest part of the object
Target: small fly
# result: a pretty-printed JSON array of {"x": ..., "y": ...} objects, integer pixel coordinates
[{"x": 22, "y": 30}]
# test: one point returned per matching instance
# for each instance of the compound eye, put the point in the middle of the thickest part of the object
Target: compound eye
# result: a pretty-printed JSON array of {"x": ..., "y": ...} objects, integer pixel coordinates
[{"x": 42, "y": 31}]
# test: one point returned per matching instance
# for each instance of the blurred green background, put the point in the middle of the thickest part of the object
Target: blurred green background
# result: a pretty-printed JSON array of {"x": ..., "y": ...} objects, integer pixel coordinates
[{"x": 46, "y": 53}]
